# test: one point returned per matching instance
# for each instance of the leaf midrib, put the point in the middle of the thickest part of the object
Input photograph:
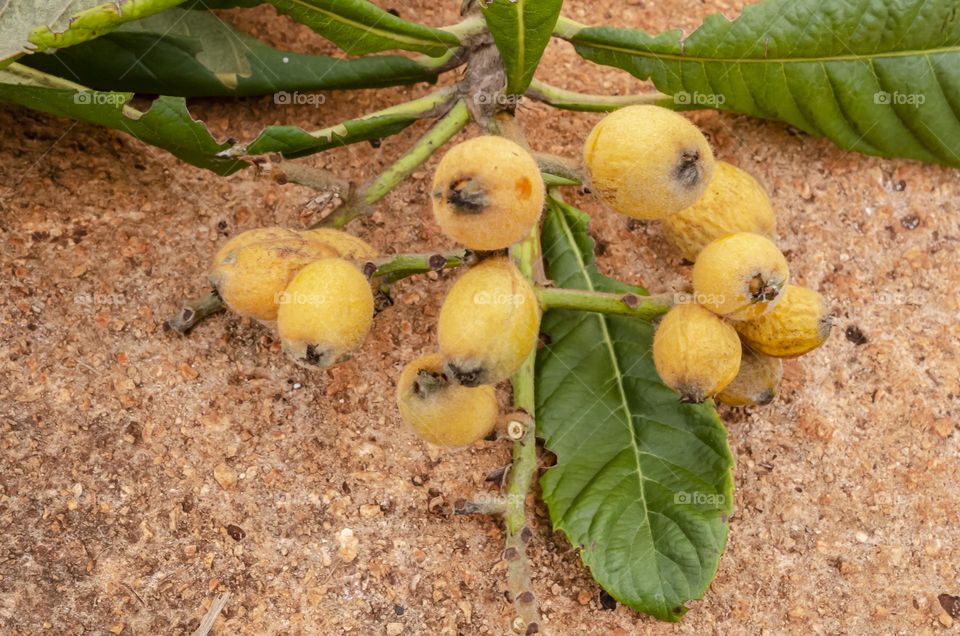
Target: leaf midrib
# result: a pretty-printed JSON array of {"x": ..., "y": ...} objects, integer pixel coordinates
[
  {"x": 387, "y": 35},
  {"x": 767, "y": 60},
  {"x": 608, "y": 341}
]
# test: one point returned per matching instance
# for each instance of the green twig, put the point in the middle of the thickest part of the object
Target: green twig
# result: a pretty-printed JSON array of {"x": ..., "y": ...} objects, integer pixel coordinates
[
  {"x": 395, "y": 268},
  {"x": 572, "y": 100},
  {"x": 371, "y": 192},
  {"x": 645, "y": 307},
  {"x": 526, "y": 255},
  {"x": 569, "y": 170}
]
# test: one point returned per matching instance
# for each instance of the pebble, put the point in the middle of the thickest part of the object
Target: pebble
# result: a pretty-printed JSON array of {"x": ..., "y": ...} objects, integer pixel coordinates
[
  {"x": 394, "y": 629},
  {"x": 225, "y": 476},
  {"x": 348, "y": 545}
]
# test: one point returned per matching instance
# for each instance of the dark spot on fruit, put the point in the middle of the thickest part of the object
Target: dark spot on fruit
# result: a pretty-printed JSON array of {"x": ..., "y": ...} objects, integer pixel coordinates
[
  {"x": 761, "y": 289},
  {"x": 688, "y": 172},
  {"x": 607, "y": 602},
  {"x": 766, "y": 398},
  {"x": 524, "y": 188},
  {"x": 315, "y": 356},
  {"x": 466, "y": 376},
  {"x": 466, "y": 196},
  {"x": 855, "y": 335},
  {"x": 236, "y": 532}
]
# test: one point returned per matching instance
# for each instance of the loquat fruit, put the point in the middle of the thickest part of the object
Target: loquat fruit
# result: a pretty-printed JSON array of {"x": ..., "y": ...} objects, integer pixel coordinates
[
  {"x": 488, "y": 323},
  {"x": 325, "y": 312},
  {"x": 733, "y": 202},
  {"x": 647, "y": 162},
  {"x": 487, "y": 193},
  {"x": 740, "y": 276},
  {"x": 696, "y": 352},
  {"x": 798, "y": 324},
  {"x": 441, "y": 411}
]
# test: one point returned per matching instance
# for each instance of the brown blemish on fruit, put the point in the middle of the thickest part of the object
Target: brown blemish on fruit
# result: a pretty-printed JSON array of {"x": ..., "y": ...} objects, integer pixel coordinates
[
  {"x": 466, "y": 196},
  {"x": 761, "y": 289},
  {"x": 689, "y": 171},
  {"x": 524, "y": 188}
]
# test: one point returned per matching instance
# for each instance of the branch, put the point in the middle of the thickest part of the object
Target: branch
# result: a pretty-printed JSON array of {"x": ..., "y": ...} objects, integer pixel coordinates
[
  {"x": 571, "y": 100},
  {"x": 371, "y": 192},
  {"x": 520, "y": 478},
  {"x": 645, "y": 307},
  {"x": 195, "y": 312},
  {"x": 398, "y": 267}
]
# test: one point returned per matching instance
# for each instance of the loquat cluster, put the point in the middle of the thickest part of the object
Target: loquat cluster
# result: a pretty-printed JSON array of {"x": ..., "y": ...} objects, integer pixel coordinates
[
  {"x": 305, "y": 283},
  {"x": 648, "y": 162}
]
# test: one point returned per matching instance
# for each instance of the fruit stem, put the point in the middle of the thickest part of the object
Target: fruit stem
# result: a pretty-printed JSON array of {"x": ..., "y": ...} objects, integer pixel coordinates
[
  {"x": 563, "y": 167},
  {"x": 644, "y": 307},
  {"x": 403, "y": 265},
  {"x": 372, "y": 191},
  {"x": 586, "y": 102},
  {"x": 195, "y": 312}
]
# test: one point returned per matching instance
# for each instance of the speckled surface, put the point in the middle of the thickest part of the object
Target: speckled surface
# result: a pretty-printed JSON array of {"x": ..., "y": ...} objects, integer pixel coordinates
[{"x": 142, "y": 474}]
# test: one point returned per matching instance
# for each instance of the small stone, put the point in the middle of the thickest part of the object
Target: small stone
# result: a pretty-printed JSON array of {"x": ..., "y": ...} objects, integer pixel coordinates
[
  {"x": 188, "y": 372},
  {"x": 116, "y": 629},
  {"x": 943, "y": 427},
  {"x": 189, "y": 550},
  {"x": 584, "y": 597},
  {"x": 945, "y": 620},
  {"x": 225, "y": 476},
  {"x": 862, "y": 537},
  {"x": 348, "y": 545},
  {"x": 394, "y": 629},
  {"x": 368, "y": 511}
]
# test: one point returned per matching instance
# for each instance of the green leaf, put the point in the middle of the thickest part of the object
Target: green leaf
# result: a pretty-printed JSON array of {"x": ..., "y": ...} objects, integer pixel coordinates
[
  {"x": 359, "y": 27},
  {"x": 877, "y": 76},
  {"x": 167, "y": 124},
  {"x": 521, "y": 30},
  {"x": 642, "y": 482},
  {"x": 27, "y": 26},
  {"x": 195, "y": 54}
]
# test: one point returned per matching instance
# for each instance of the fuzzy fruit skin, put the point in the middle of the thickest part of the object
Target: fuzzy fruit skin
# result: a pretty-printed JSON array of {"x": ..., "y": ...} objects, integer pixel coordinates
[
  {"x": 250, "y": 278},
  {"x": 488, "y": 323},
  {"x": 440, "y": 411},
  {"x": 256, "y": 235},
  {"x": 647, "y": 162},
  {"x": 740, "y": 276},
  {"x": 487, "y": 193},
  {"x": 797, "y": 325},
  {"x": 696, "y": 352},
  {"x": 347, "y": 245},
  {"x": 326, "y": 312},
  {"x": 733, "y": 202},
  {"x": 757, "y": 382}
]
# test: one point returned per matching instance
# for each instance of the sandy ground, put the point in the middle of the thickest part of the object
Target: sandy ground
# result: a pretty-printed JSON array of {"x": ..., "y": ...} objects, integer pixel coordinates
[{"x": 143, "y": 474}]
